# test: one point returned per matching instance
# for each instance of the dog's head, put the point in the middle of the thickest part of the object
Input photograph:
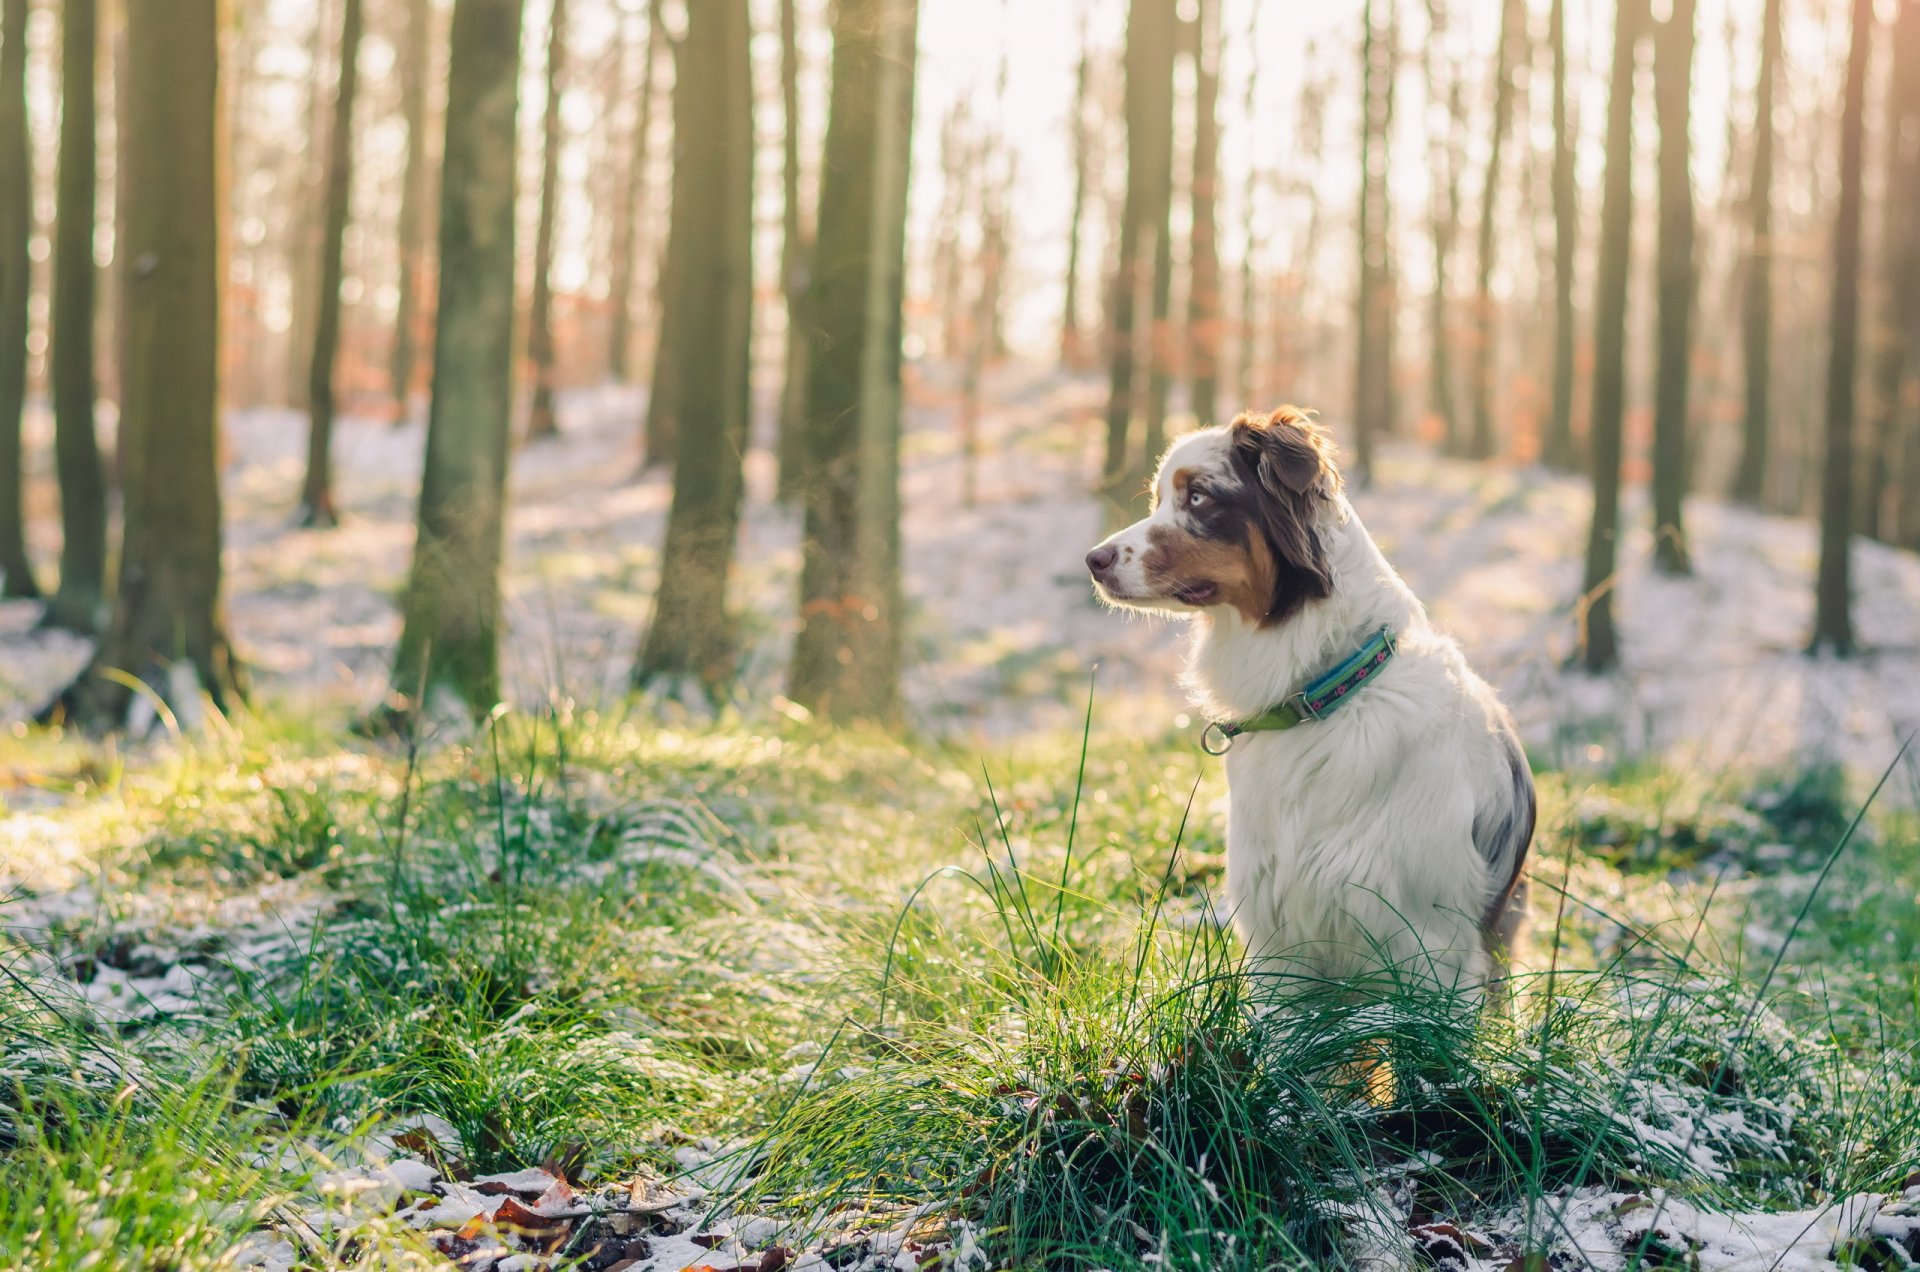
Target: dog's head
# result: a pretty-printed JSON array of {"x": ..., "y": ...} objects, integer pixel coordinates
[{"x": 1234, "y": 523}]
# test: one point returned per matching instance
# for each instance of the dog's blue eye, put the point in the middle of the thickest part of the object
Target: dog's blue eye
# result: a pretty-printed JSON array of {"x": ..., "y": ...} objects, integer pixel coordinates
[{"x": 1195, "y": 498}]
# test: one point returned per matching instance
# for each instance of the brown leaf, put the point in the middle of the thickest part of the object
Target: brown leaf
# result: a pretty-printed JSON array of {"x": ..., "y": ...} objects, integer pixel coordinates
[
  {"x": 522, "y": 1222},
  {"x": 775, "y": 1259},
  {"x": 1535, "y": 1262}
]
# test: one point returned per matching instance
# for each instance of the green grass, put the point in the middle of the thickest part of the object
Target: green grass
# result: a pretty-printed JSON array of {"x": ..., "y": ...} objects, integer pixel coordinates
[{"x": 897, "y": 975}]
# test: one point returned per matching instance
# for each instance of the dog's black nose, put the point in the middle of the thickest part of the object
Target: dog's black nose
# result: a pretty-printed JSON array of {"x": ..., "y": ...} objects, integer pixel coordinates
[{"x": 1101, "y": 559}]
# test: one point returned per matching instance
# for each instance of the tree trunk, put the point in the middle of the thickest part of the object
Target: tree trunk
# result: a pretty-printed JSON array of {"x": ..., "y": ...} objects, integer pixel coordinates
[
  {"x": 1889, "y": 435},
  {"x": 1203, "y": 298},
  {"x": 1444, "y": 211},
  {"x": 540, "y": 419},
  {"x": 664, "y": 406},
  {"x": 316, "y": 495},
  {"x": 167, "y": 627},
  {"x": 306, "y": 229},
  {"x": 1152, "y": 32},
  {"x": 1072, "y": 340},
  {"x": 83, "y": 482},
  {"x": 1673, "y": 91},
  {"x": 413, "y": 200},
  {"x": 1756, "y": 316},
  {"x": 1599, "y": 644},
  {"x": 449, "y": 641},
  {"x": 846, "y": 661},
  {"x": 16, "y": 284},
  {"x": 796, "y": 246},
  {"x": 1373, "y": 359},
  {"x": 632, "y": 209},
  {"x": 1833, "y": 619},
  {"x": 1247, "y": 308},
  {"x": 1559, "y": 451},
  {"x": 1483, "y": 444},
  {"x": 691, "y": 640}
]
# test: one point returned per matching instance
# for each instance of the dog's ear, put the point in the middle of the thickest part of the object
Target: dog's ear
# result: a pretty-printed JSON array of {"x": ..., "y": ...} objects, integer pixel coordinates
[{"x": 1288, "y": 460}]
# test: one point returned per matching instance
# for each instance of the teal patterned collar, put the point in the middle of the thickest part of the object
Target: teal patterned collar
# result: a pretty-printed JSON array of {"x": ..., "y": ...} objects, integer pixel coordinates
[{"x": 1319, "y": 698}]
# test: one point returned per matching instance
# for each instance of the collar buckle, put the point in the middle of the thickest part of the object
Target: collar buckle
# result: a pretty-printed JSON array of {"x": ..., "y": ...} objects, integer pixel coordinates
[
  {"x": 1302, "y": 704},
  {"x": 1219, "y": 733}
]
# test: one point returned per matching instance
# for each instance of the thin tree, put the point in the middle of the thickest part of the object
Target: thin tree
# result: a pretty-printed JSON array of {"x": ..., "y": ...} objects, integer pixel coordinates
[
  {"x": 1559, "y": 451},
  {"x": 449, "y": 639},
  {"x": 631, "y": 209},
  {"x": 1444, "y": 216},
  {"x": 540, "y": 419},
  {"x": 167, "y": 628},
  {"x": 1247, "y": 307},
  {"x": 413, "y": 206},
  {"x": 1072, "y": 340},
  {"x": 690, "y": 643},
  {"x": 1833, "y": 602},
  {"x": 1673, "y": 92},
  {"x": 796, "y": 247},
  {"x": 1890, "y": 437},
  {"x": 307, "y": 226},
  {"x": 316, "y": 493},
  {"x": 1152, "y": 32},
  {"x": 1756, "y": 315},
  {"x": 1482, "y": 443},
  {"x": 1599, "y": 643},
  {"x": 1373, "y": 358},
  {"x": 83, "y": 483},
  {"x": 1203, "y": 295},
  {"x": 846, "y": 661},
  {"x": 16, "y": 283}
]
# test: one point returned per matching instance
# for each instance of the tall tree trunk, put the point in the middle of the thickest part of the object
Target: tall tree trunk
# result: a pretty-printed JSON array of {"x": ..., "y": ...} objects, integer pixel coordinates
[
  {"x": 1203, "y": 298},
  {"x": 632, "y": 209},
  {"x": 1889, "y": 436},
  {"x": 1373, "y": 359},
  {"x": 1756, "y": 316},
  {"x": 540, "y": 419},
  {"x": 307, "y": 228},
  {"x": 316, "y": 495},
  {"x": 83, "y": 483},
  {"x": 167, "y": 627},
  {"x": 1559, "y": 451},
  {"x": 1072, "y": 340},
  {"x": 1247, "y": 311},
  {"x": 1513, "y": 29},
  {"x": 413, "y": 200},
  {"x": 1444, "y": 212},
  {"x": 846, "y": 661},
  {"x": 1599, "y": 644},
  {"x": 691, "y": 640},
  {"x": 16, "y": 283},
  {"x": 1833, "y": 619},
  {"x": 449, "y": 641},
  {"x": 1152, "y": 33},
  {"x": 796, "y": 245},
  {"x": 664, "y": 406},
  {"x": 1673, "y": 91}
]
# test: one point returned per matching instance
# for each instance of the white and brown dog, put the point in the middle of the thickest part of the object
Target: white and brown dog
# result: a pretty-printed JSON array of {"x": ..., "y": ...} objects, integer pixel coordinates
[{"x": 1393, "y": 823}]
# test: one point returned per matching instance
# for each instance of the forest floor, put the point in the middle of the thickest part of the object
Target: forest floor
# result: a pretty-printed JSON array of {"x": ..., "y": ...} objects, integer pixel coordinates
[{"x": 610, "y": 986}]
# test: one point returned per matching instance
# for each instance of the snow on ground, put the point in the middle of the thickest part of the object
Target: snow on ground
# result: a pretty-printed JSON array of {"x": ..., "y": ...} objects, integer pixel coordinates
[{"x": 1004, "y": 632}]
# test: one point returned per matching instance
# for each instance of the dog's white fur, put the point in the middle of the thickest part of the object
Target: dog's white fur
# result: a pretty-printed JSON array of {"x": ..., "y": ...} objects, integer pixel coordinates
[{"x": 1394, "y": 829}]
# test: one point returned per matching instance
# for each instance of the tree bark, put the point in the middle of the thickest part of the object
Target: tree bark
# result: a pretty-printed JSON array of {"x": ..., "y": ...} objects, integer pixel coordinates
[
  {"x": 1072, "y": 339},
  {"x": 846, "y": 661},
  {"x": 796, "y": 245},
  {"x": 16, "y": 284},
  {"x": 1483, "y": 444},
  {"x": 83, "y": 483},
  {"x": 168, "y": 629},
  {"x": 449, "y": 641},
  {"x": 632, "y": 209},
  {"x": 664, "y": 406},
  {"x": 1203, "y": 298},
  {"x": 1756, "y": 316},
  {"x": 1559, "y": 450},
  {"x": 413, "y": 201},
  {"x": 1599, "y": 643},
  {"x": 1152, "y": 32},
  {"x": 1890, "y": 434},
  {"x": 1444, "y": 211},
  {"x": 307, "y": 225},
  {"x": 1373, "y": 359},
  {"x": 316, "y": 495},
  {"x": 1673, "y": 91},
  {"x": 540, "y": 419},
  {"x": 691, "y": 642},
  {"x": 1833, "y": 617}
]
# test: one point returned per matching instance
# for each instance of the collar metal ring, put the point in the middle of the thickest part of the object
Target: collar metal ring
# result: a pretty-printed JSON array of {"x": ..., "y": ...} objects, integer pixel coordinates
[{"x": 1215, "y": 732}]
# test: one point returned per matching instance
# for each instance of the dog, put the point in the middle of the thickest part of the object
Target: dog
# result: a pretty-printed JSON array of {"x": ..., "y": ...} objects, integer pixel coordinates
[{"x": 1380, "y": 805}]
